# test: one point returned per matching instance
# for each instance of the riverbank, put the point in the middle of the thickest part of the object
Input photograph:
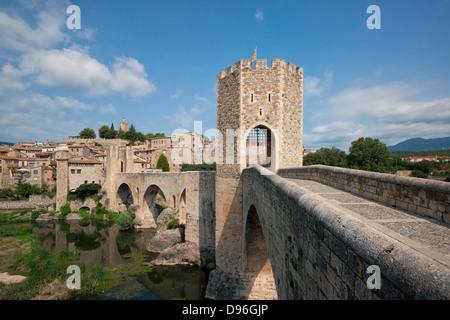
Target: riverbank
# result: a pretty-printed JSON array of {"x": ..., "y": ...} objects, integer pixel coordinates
[{"x": 104, "y": 253}]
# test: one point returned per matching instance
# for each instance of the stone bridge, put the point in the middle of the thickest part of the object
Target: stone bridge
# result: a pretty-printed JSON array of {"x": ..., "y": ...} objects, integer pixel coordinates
[
  {"x": 313, "y": 232},
  {"x": 191, "y": 193}
]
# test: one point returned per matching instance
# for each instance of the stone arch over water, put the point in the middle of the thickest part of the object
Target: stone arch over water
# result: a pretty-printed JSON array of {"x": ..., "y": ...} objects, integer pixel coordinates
[
  {"x": 125, "y": 195},
  {"x": 182, "y": 207},
  {"x": 150, "y": 208},
  {"x": 258, "y": 276}
]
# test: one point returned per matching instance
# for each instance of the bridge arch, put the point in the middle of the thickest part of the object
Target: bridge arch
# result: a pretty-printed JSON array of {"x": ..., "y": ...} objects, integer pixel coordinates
[
  {"x": 150, "y": 208},
  {"x": 125, "y": 195},
  {"x": 257, "y": 271},
  {"x": 182, "y": 207}
]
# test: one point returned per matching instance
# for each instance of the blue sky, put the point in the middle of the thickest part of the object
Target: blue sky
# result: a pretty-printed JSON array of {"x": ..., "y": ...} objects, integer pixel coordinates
[{"x": 155, "y": 63}]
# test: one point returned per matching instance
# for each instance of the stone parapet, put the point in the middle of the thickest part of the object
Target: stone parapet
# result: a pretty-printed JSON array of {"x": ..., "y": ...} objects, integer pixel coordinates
[
  {"x": 424, "y": 197},
  {"x": 319, "y": 250}
]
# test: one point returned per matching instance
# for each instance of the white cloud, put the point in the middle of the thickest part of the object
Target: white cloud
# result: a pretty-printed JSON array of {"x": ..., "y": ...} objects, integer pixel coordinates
[
  {"x": 185, "y": 117},
  {"x": 259, "y": 15},
  {"x": 74, "y": 69},
  {"x": 129, "y": 76},
  {"x": 176, "y": 94},
  {"x": 203, "y": 99},
  {"x": 391, "y": 112},
  {"x": 313, "y": 86},
  {"x": 18, "y": 36},
  {"x": 395, "y": 102},
  {"x": 107, "y": 109}
]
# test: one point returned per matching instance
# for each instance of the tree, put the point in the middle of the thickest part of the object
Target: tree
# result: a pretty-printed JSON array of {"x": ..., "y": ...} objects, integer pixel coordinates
[
  {"x": 163, "y": 163},
  {"x": 330, "y": 157},
  {"x": 88, "y": 133},
  {"x": 111, "y": 133},
  {"x": 154, "y": 135},
  {"x": 370, "y": 154},
  {"x": 88, "y": 189},
  {"x": 103, "y": 131}
]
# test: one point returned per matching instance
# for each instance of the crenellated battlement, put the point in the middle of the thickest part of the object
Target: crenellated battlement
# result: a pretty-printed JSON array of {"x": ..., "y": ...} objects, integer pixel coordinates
[{"x": 260, "y": 64}]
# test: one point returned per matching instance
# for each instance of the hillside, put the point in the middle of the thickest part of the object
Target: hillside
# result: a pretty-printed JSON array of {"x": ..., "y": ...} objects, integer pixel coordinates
[{"x": 421, "y": 144}]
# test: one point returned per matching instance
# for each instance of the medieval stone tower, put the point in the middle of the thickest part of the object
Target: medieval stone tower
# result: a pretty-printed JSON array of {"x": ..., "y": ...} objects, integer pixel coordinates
[{"x": 258, "y": 108}]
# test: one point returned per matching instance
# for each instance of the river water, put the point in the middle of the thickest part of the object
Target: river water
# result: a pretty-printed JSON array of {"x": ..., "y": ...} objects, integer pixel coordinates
[{"x": 101, "y": 243}]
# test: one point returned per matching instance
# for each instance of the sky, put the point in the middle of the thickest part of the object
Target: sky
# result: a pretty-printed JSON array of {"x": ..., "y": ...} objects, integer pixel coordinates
[{"x": 155, "y": 63}]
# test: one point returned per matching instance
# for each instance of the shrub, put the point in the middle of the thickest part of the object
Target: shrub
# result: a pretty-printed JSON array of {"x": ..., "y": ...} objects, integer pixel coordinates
[
  {"x": 419, "y": 174},
  {"x": 65, "y": 209},
  {"x": 65, "y": 255},
  {"x": 125, "y": 221},
  {"x": 111, "y": 215}
]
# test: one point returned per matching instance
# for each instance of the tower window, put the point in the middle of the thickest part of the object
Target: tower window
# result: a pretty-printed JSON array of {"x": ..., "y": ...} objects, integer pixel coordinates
[
  {"x": 251, "y": 97},
  {"x": 260, "y": 111},
  {"x": 269, "y": 97}
]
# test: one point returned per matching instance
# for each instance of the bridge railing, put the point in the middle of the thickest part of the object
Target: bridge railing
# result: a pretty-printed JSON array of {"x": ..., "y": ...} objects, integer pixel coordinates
[
  {"x": 421, "y": 196},
  {"x": 320, "y": 249}
]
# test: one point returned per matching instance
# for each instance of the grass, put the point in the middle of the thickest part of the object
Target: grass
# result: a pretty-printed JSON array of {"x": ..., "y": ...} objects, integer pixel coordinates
[
  {"x": 41, "y": 267},
  {"x": 13, "y": 229},
  {"x": 120, "y": 283},
  {"x": 22, "y": 255}
]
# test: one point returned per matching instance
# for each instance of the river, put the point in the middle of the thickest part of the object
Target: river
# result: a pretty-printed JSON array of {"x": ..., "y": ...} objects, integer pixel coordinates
[{"x": 101, "y": 243}]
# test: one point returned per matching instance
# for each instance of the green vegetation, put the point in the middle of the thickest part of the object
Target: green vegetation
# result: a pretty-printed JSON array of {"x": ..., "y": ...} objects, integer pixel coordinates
[
  {"x": 172, "y": 221},
  {"x": 65, "y": 209},
  {"x": 120, "y": 284},
  {"x": 125, "y": 221},
  {"x": 87, "y": 133},
  {"x": 15, "y": 229},
  {"x": 154, "y": 135},
  {"x": 41, "y": 267},
  {"x": 364, "y": 154},
  {"x": 6, "y": 194},
  {"x": 372, "y": 155},
  {"x": 25, "y": 190},
  {"x": 132, "y": 136},
  {"x": 405, "y": 154},
  {"x": 65, "y": 255},
  {"x": 163, "y": 163},
  {"x": 330, "y": 157},
  {"x": 85, "y": 190},
  {"x": 198, "y": 167}
]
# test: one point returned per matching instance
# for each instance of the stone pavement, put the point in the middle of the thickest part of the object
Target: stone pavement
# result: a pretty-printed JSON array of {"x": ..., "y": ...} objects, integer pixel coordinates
[{"x": 423, "y": 234}]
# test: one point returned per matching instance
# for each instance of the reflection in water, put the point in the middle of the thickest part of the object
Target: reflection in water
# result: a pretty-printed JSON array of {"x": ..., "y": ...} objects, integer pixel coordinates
[{"x": 102, "y": 243}]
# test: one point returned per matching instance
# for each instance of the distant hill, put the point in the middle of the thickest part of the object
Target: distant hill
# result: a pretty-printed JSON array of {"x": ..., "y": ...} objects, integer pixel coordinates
[
  {"x": 8, "y": 143},
  {"x": 421, "y": 144}
]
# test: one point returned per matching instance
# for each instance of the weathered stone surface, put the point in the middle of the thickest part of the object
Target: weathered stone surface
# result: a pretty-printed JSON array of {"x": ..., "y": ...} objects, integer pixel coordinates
[
  {"x": 186, "y": 253},
  {"x": 163, "y": 219},
  {"x": 165, "y": 239},
  {"x": 73, "y": 216},
  {"x": 53, "y": 291},
  {"x": 10, "y": 279}
]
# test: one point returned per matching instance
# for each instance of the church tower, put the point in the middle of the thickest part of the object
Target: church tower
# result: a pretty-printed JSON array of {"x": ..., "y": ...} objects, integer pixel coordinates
[{"x": 123, "y": 126}]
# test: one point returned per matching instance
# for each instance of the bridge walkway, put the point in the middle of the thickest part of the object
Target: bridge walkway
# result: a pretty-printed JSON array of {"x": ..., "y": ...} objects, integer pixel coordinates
[{"x": 429, "y": 236}]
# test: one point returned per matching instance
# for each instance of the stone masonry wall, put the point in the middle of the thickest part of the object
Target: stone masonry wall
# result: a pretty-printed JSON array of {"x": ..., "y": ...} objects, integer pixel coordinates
[
  {"x": 33, "y": 203},
  {"x": 425, "y": 197},
  {"x": 243, "y": 103},
  {"x": 318, "y": 251}
]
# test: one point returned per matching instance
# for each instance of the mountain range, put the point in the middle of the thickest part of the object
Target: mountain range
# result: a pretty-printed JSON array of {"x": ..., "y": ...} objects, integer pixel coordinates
[{"x": 421, "y": 144}]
